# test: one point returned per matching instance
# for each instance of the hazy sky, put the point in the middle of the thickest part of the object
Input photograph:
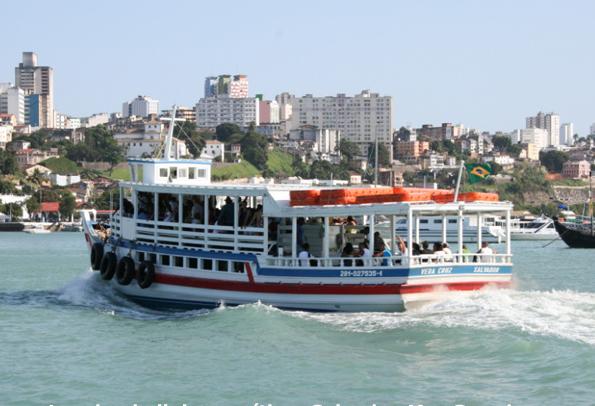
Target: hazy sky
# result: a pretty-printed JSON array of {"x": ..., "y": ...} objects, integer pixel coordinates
[{"x": 485, "y": 64}]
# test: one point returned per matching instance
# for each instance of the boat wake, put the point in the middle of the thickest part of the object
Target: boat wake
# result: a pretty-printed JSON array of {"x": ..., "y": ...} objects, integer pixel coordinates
[
  {"x": 88, "y": 291},
  {"x": 568, "y": 315}
]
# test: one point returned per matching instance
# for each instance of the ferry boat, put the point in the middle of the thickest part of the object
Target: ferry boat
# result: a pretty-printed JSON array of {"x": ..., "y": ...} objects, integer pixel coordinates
[
  {"x": 178, "y": 240},
  {"x": 527, "y": 227}
]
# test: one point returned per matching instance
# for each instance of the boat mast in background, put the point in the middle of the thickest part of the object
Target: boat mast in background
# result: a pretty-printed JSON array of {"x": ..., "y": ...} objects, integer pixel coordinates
[{"x": 170, "y": 133}]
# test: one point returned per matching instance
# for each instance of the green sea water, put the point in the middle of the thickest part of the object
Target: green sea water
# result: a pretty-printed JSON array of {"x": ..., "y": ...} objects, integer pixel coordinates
[{"x": 67, "y": 339}]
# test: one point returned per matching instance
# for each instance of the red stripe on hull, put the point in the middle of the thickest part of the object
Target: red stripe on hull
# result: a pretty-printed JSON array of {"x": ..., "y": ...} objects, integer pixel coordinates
[{"x": 319, "y": 289}]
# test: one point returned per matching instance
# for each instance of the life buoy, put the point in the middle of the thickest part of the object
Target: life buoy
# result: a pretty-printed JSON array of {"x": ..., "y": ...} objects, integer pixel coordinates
[
  {"x": 96, "y": 255},
  {"x": 145, "y": 274},
  {"x": 108, "y": 266},
  {"x": 125, "y": 271}
]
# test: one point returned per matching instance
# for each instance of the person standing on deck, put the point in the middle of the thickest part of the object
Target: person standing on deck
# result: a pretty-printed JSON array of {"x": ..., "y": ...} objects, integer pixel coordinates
[{"x": 304, "y": 255}]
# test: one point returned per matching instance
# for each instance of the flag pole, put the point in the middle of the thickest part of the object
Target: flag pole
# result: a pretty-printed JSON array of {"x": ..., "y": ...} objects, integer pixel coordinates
[{"x": 459, "y": 181}]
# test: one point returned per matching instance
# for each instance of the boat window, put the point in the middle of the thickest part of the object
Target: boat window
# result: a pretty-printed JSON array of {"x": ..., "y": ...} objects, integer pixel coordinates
[
  {"x": 173, "y": 172},
  {"x": 439, "y": 221},
  {"x": 423, "y": 221},
  {"x": 201, "y": 173},
  {"x": 194, "y": 209},
  {"x": 153, "y": 258},
  {"x": 191, "y": 173},
  {"x": 192, "y": 263},
  {"x": 238, "y": 267},
  {"x": 146, "y": 205},
  {"x": 127, "y": 206},
  {"x": 179, "y": 261},
  {"x": 168, "y": 207},
  {"x": 140, "y": 256},
  {"x": 165, "y": 260},
  {"x": 222, "y": 266},
  {"x": 163, "y": 172},
  {"x": 452, "y": 221},
  {"x": 182, "y": 172},
  {"x": 207, "y": 264}
]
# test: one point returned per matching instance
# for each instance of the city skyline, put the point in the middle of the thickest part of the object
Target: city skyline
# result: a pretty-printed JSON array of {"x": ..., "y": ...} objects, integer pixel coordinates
[{"x": 480, "y": 65}]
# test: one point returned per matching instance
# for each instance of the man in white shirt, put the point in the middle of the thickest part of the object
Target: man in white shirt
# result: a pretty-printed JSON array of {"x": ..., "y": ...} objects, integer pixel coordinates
[
  {"x": 365, "y": 254},
  {"x": 304, "y": 255},
  {"x": 486, "y": 253}
]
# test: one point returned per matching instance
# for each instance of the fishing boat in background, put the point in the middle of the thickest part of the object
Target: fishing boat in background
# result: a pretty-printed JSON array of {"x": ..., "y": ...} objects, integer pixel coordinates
[
  {"x": 578, "y": 231},
  {"x": 178, "y": 240}
]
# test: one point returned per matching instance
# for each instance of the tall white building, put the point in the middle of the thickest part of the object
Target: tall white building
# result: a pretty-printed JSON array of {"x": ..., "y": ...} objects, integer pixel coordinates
[
  {"x": 567, "y": 134},
  {"x": 284, "y": 101},
  {"x": 536, "y": 136},
  {"x": 37, "y": 80},
  {"x": 212, "y": 111},
  {"x": 12, "y": 101},
  {"x": 142, "y": 106},
  {"x": 227, "y": 85},
  {"x": 549, "y": 122},
  {"x": 592, "y": 129},
  {"x": 362, "y": 118}
]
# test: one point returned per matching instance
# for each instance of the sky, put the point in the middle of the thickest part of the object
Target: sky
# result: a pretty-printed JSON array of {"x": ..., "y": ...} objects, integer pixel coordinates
[{"x": 485, "y": 64}]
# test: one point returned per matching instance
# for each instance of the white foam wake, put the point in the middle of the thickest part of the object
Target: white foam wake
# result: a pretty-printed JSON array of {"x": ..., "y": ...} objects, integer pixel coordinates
[{"x": 565, "y": 314}]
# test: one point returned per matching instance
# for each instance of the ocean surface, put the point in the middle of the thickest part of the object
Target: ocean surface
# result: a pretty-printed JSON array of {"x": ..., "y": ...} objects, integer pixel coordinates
[{"x": 68, "y": 339}]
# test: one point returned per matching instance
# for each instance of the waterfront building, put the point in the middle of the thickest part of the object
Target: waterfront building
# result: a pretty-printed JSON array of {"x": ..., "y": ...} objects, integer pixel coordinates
[
  {"x": 142, "y": 106},
  {"x": 12, "y": 101},
  {"x": 411, "y": 150},
  {"x": 268, "y": 111},
  {"x": 215, "y": 110},
  {"x": 536, "y": 136},
  {"x": 5, "y": 135},
  {"x": 96, "y": 119},
  {"x": 576, "y": 169},
  {"x": 549, "y": 122},
  {"x": 362, "y": 119},
  {"x": 146, "y": 141},
  {"x": 39, "y": 81},
  {"x": 235, "y": 86}
]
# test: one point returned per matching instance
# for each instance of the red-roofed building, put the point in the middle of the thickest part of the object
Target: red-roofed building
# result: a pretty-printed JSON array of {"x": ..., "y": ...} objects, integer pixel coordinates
[{"x": 48, "y": 211}]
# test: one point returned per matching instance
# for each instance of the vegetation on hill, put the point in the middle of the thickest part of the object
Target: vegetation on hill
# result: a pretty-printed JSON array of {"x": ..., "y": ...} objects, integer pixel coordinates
[
  {"x": 99, "y": 146},
  {"x": 279, "y": 164},
  {"x": 240, "y": 170},
  {"x": 62, "y": 166}
]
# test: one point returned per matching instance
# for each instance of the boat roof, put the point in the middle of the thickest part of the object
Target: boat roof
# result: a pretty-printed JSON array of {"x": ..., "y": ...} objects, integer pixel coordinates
[{"x": 277, "y": 201}]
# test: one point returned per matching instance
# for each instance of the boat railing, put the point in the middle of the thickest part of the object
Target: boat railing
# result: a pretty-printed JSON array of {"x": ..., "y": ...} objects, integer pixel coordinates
[
  {"x": 205, "y": 236},
  {"x": 394, "y": 261}
]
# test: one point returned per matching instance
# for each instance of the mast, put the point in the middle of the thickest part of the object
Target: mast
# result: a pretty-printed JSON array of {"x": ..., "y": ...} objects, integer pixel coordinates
[
  {"x": 376, "y": 161},
  {"x": 456, "y": 199},
  {"x": 170, "y": 134}
]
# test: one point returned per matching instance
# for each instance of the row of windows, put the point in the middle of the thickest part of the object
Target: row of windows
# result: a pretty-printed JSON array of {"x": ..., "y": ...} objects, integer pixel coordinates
[
  {"x": 191, "y": 262},
  {"x": 174, "y": 172}
]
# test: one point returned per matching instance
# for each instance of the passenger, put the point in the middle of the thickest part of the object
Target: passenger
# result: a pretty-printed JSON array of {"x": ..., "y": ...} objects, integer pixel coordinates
[
  {"x": 402, "y": 245},
  {"x": 416, "y": 249},
  {"x": 226, "y": 216},
  {"x": 304, "y": 255},
  {"x": 365, "y": 254},
  {"x": 197, "y": 211},
  {"x": 300, "y": 230},
  {"x": 426, "y": 248},
  {"x": 245, "y": 214},
  {"x": 447, "y": 252},
  {"x": 257, "y": 218},
  {"x": 485, "y": 252},
  {"x": 347, "y": 253},
  {"x": 438, "y": 252},
  {"x": 387, "y": 255},
  {"x": 350, "y": 221},
  {"x": 466, "y": 253},
  {"x": 378, "y": 242}
]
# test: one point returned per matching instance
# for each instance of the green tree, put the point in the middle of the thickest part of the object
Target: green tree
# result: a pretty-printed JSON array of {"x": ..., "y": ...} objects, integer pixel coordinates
[
  {"x": 553, "y": 160},
  {"x": 254, "y": 149},
  {"x": 349, "y": 150},
  {"x": 225, "y": 132},
  {"x": 67, "y": 205},
  {"x": 8, "y": 163},
  {"x": 32, "y": 205},
  {"x": 501, "y": 143},
  {"x": 7, "y": 187},
  {"x": 13, "y": 209},
  {"x": 403, "y": 134},
  {"x": 383, "y": 155},
  {"x": 195, "y": 140}
]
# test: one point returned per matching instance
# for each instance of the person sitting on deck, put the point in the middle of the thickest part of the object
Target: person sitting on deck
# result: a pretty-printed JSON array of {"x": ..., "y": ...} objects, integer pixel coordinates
[
  {"x": 197, "y": 211},
  {"x": 447, "y": 252},
  {"x": 350, "y": 221},
  {"x": 465, "y": 253},
  {"x": 485, "y": 253},
  {"x": 416, "y": 249},
  {"x": 304, "y": 255},
  {"x": 378, "y": 242},
  {"x": 438, "y": 252},
  {"x": 347, "y": 253},
  {"x": 386, "y": 254},
  {"x": 425, "y": 250}
]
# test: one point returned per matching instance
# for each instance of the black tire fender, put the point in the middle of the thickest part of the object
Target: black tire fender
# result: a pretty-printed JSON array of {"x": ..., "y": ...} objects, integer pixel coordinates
[
  {"x": 108, "y": 266},
  {"x": 145, "y": 274},
  {"x": 125, "y": 272},
  {"x": 96, "y": 255}
]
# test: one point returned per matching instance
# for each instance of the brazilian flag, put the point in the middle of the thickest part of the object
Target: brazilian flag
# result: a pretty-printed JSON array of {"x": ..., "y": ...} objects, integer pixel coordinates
[{"x": 478, "y": 172}]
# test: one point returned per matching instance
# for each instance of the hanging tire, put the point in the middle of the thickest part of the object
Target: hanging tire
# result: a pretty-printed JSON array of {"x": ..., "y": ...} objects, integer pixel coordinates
[
  {"x": 145, "y": 274},
  {"x": 125, "y": 271},
  {"x": 108, "y": 266},
  {"x": 96, "y": 255}
]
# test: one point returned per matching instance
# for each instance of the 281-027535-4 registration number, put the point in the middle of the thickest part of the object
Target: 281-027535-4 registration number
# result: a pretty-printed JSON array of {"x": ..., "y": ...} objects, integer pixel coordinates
[{"x": 360, "y": 272}]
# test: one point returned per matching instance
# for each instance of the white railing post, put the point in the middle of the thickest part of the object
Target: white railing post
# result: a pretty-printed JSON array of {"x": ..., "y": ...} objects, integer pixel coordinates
[
  {"x": 417, "y": 229},
  {"x": 236, "y": 221},
  {"x": 479, "y": 230},
  {"x": 265, "y": 237},
  {"x": 460, "y": 221},
  {"x": 180, "y": 217},
  {"x": 294, "y": 237},
  {"x": 393, "y": 235},
  {"x": 372, "y": 219},
  {"x": 409, "y": 235},
  {"x": 444, "y": 224},
  {"x": 155, "y": 216},
  {"x": 325, "y": 242},
  {"x": 508, "y": 242}
]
